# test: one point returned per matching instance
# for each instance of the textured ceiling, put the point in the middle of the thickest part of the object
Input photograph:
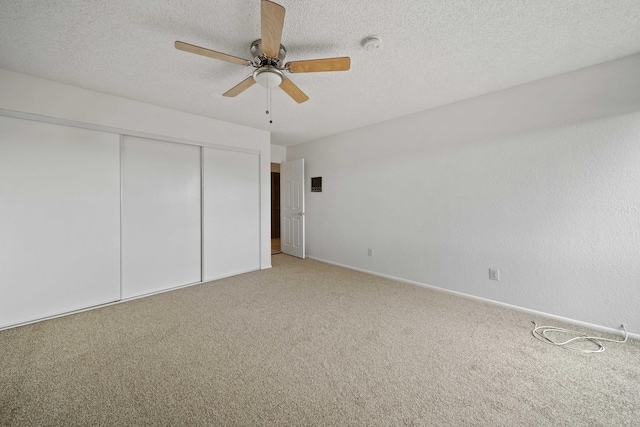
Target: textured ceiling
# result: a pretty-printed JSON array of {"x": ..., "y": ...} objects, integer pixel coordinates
[{"x": 433, "y": 52}]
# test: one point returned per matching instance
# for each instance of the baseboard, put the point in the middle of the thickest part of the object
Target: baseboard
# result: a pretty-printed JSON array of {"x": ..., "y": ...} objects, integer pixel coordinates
[
  {"x": 107, "y": 304},
  {"x": 55, "y": 316},
  {"x": 235, "y": 273},
  {"x": 490, "y": 301}
]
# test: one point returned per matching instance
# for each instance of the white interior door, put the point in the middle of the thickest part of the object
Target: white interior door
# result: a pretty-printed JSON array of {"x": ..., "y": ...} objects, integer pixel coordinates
[{"x": 292, "y": 207}]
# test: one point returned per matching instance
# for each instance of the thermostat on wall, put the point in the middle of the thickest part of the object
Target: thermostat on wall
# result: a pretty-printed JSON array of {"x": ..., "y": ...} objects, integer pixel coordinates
[{"x": 316, "y": 185}]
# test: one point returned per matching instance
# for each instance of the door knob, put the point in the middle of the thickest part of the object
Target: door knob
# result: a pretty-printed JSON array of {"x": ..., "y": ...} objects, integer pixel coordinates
[{"x": 301, "y": 213}]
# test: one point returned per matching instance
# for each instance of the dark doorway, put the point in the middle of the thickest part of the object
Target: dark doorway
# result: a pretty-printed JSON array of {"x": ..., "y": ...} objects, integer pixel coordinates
[
  {"x": 275, "y": 205},
  {"x": 275, "y": 208}
]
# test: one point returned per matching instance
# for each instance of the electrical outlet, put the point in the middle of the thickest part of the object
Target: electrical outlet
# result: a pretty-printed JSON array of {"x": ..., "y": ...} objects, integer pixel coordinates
[
  {"x": 494, "y": 274},
  {"x": 370, "y": 252}
]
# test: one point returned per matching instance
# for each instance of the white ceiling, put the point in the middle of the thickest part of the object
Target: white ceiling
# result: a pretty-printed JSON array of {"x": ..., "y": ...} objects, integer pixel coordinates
[{"x": 433, "y": 53}]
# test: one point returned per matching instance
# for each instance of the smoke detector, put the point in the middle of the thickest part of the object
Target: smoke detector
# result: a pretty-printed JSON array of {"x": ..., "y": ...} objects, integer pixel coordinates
[{"x": 371, "y": 43}]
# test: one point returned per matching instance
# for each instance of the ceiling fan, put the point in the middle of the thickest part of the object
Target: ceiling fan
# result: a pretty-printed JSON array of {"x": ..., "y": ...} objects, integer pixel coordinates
[{"x": 268, "y": 57}]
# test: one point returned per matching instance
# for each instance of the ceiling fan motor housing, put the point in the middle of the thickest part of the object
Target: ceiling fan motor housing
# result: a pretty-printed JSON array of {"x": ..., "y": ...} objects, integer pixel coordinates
[{"x": 260, "y": 59}]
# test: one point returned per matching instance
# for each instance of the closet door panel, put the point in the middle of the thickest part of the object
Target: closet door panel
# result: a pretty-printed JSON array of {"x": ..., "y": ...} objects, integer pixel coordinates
[
  {"x": 161, "y": 208},
  {"x": 231, "y": 207},
  {"x": 59, "y": 219}
]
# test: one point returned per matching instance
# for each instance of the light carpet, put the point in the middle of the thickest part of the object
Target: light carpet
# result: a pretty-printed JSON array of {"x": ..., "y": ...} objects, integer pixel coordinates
[{"x": 308, "y": 344}]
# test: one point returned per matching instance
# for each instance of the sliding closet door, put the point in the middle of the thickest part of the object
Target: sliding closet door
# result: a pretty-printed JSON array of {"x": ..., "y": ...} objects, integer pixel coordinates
[
  {"x": 231, "y": 190},
  {"x": 59, "y": 219},
  {"x": 160, "y": 215}
]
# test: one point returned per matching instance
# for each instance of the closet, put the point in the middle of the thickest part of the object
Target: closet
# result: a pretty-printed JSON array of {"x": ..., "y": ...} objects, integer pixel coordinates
[
  {"x": 231, "y": 212},
  {"x": 160, "y": 215},
  {"x": 59, "y": 219},
  {"x": 89, "y": 217}
]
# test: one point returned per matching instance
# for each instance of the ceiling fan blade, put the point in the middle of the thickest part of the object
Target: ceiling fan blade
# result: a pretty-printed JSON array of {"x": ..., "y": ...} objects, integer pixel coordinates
[
  {"x": 316, "y": 65},
  {"x": 272, "y": 22},
  {"x": 210, "y": 53},
  {"x": 240, "y": 87},
  {"x": 293, "y": 91}
]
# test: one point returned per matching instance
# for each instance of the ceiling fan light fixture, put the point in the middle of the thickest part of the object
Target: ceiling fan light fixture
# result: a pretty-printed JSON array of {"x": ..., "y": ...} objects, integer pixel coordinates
[{"x": 268, "y": 77}]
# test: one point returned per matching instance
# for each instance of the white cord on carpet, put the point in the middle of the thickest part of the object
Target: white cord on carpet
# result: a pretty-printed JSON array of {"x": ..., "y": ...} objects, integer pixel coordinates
[{"x": 542, "y": 336}]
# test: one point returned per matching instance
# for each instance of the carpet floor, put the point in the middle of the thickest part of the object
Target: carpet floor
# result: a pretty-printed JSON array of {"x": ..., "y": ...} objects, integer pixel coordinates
[{"x": 308, "y": 344}]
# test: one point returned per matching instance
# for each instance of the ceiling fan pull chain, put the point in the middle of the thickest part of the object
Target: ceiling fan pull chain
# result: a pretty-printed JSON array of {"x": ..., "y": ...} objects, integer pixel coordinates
[
  {"x": 269, "y": 103},
  {"x": 270, "y": 108}
]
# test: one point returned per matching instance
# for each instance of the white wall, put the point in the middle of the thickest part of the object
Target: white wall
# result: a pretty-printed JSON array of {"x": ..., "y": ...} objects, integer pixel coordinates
[
  {"x": 278, "y": 154},
  {"x": 443, "y": 195},
  {"x": 26, "y": 94}
]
